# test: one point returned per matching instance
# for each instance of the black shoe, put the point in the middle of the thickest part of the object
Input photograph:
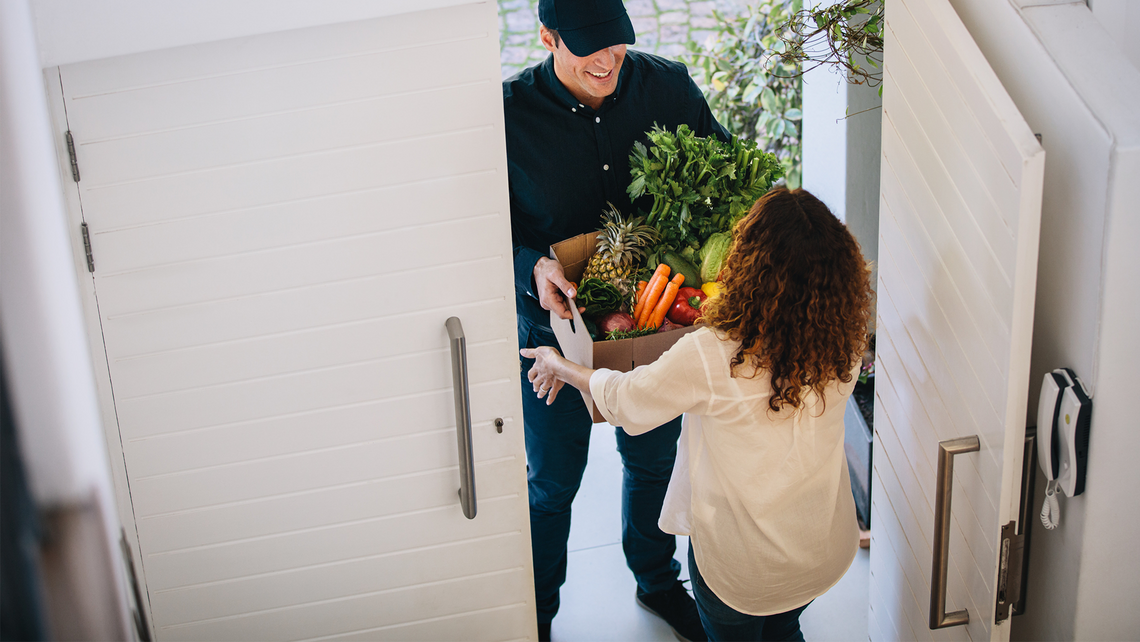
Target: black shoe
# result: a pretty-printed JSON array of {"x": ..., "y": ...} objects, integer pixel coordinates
[
  {"x": 544, "y": 632},
  {"x": 677, "y": 609}
]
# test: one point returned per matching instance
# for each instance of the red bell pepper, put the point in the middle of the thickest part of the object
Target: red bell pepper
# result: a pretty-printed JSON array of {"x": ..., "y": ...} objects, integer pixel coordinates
[{"x": 687, "y": 306}]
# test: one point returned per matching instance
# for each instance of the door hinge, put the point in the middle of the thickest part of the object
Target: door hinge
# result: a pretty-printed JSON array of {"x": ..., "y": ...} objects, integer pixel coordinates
[
  {"x": 87, "y": 247},
  {"x": 1013, "y": 564},
  {"x": 1009, "y": 570},
  {"x": 71, "y": 155},
  {"x": 138, "y": 615}
]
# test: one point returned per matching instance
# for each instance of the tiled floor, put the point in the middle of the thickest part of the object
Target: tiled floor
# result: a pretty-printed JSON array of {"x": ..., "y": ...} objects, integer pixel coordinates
[{"x": 597, "y": 600}]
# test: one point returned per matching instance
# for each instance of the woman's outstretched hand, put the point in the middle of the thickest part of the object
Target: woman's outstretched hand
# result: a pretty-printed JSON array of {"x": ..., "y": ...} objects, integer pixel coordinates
[{"x": 544, "y": 373}]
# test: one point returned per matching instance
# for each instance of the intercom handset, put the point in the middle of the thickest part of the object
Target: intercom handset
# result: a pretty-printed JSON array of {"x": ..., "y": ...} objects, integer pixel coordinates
[{"x": 1063, "y": 417}]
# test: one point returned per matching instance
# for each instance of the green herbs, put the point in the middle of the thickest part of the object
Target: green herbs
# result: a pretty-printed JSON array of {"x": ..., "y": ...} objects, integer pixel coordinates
[
  {"x": 618, "y": 335},
  {"x": 598, "y": 296},
  {"x": 700, "y": 186}
]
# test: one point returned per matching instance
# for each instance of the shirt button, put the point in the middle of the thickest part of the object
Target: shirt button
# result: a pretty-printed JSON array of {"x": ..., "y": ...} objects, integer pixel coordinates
[
  {"x": 606, "y": 167},
  {"x": 574, "y": 109},
  {"x": 597, "y": 120}
]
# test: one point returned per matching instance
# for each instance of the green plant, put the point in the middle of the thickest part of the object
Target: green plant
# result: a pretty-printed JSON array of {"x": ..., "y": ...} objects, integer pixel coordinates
[
  {"x": 699, "y": 185},
  {"x": 753, "y": 91},
  {"x": 847, "y": 34}
]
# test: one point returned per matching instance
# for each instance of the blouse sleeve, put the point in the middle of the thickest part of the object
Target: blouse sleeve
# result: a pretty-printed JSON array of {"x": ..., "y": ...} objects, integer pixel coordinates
[{"x": 650, "y": 395}]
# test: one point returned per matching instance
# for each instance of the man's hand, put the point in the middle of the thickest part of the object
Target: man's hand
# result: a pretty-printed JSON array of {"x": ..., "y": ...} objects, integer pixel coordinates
[{"x": 552, "y": 288}]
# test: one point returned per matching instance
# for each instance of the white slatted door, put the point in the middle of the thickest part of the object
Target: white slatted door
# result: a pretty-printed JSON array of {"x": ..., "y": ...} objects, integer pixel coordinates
[
  {"x": 960, "y": 213},
  {"x": 281, "y": 224}
]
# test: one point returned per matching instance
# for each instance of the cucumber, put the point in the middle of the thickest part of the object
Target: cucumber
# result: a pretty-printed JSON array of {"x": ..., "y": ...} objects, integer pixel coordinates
[{"x": 677, "y": 264}]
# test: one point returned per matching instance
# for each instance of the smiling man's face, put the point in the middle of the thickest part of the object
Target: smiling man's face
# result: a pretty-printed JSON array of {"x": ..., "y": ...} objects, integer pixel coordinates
[{"x": 589, "y": 78}]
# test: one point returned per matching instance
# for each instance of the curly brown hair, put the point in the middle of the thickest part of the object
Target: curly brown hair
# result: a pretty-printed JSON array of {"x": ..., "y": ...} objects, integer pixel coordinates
[{"x": 797, "y": 295}]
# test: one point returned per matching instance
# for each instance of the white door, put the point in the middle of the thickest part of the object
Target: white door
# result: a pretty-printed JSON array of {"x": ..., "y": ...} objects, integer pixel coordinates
[
  {"x": 280, "y": 226},
  {"x": 959, "y": 217}
]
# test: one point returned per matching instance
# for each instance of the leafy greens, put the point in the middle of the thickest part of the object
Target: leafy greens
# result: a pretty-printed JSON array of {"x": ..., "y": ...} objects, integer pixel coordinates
[{"x": 700, "y": 186}]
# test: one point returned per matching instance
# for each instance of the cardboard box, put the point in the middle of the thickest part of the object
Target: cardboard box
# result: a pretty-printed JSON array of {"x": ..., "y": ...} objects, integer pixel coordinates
[{"x": 622, "y": 355}]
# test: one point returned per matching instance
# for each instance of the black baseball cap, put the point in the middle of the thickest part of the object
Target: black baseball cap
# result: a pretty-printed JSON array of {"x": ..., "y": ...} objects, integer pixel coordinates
[{"x": 587, "y": 26}]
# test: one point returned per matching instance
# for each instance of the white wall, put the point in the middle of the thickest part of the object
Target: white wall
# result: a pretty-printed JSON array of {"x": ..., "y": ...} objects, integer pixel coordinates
[
  {"x": 842, "y": 126},
  {"x": 1120, "y": 18},
  {"x": 824, "y": 138},
  {"x": 45, "y": 348},
  {"x": 1077, "y": 88},
  {"x": 45, "y": 351},
  {"x": 864, "y": 136}
]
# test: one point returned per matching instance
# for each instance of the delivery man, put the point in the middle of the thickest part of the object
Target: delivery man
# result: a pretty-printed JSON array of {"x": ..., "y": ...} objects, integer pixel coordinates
[{"x": 571, "y": 122}]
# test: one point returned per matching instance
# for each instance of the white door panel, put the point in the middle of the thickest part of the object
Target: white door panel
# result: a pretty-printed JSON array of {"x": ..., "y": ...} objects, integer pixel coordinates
[
  {"x": 270, "y": 477},
  {"x": 926, "y": 351},
  {"x": 281, "y": 224},
  {"x": 279, "y": 72},
  {"x": 898, "y": 618},
  {"x": 302, "y": 432},
  {"x": 379, "y": 610},
  {"x": 325, "y": 505},
  {"x": 975, "y": 318},
  {"x": 959, "y": 216},
  {"x": 959, "y": 237},
  {"x": 297, "y": 311},
  {"x": 228, "y": 404},
  {"x": 339, "y": 579},
  {"x": 296, "y": 267},
  {"x": 374, "y": 531},
  {"x": 282, "y": 135},
  {"x": 290, "y": 352},
  {"x": 245, "y": 185}
]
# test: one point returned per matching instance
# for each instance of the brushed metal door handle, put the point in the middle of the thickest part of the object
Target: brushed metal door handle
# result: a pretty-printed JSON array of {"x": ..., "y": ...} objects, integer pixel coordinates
[
  {"x": 462, "y": 416},
  {"x": 939, "y": 618}
]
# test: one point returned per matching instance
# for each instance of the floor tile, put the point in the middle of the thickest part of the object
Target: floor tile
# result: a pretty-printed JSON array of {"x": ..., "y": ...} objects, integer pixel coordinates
[
  {"x": 596, "y": 518},
  {"x": 841, "y": 613},
  {"x": 598, "y": 604}
]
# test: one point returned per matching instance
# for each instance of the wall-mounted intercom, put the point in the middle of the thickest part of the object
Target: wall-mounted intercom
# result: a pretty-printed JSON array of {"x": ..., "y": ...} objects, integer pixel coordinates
[{"x": 1063, "y": 415}]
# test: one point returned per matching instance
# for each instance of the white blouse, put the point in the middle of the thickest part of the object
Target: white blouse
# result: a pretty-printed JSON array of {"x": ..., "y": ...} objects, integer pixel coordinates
[{"x": 765, "y": 496}]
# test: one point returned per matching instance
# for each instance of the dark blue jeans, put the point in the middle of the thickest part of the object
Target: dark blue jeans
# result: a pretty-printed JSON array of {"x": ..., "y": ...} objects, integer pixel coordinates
[
  {"x": 725, "y": 624},
  {"x": 557, "y": 444}
]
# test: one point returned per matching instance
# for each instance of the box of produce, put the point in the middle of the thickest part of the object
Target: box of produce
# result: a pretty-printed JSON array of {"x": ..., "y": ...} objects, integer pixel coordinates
[
  {"x": 596, "y": 350},
  {"x": 642, "y": 278}
]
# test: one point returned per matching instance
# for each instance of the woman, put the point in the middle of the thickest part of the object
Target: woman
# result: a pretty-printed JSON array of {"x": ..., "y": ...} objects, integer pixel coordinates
[{"x": 761, "y": 483}]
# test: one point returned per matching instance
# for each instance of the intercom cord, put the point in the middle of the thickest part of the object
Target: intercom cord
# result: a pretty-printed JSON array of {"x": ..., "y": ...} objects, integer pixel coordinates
[{"x": 1051, "y": 508}]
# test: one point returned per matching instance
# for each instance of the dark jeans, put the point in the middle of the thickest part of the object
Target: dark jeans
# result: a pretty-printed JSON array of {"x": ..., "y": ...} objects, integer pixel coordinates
[
  {"x": 725, "y": 624},
  {"x": 557, "y": 444}
]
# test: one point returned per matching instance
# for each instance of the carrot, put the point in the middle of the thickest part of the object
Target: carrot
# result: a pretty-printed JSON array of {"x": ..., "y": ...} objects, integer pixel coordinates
[
  {"x": 665, "y": 302},
  {"x": 641, "y": 285},
  {"x": 640, "y": 289},
  {"x": 652, "y": 292}
]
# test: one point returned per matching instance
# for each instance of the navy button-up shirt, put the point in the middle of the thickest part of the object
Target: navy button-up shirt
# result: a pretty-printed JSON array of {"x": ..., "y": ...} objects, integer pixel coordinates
[{"x": 566, "y": 160}]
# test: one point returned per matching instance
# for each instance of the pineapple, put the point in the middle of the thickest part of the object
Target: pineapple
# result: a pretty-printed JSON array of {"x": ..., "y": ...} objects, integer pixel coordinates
[{"x": 621, "y": 248}]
